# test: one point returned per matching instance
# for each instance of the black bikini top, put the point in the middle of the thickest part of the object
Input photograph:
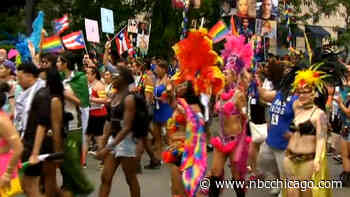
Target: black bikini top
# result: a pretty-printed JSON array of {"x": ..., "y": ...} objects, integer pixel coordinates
[{"x": 305, "y": 128}]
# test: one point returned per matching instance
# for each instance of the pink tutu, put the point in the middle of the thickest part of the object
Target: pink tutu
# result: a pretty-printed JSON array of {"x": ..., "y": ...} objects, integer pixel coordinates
[
  {"x": 240, "y": 145},
  {"x": 224, "y": 148}
]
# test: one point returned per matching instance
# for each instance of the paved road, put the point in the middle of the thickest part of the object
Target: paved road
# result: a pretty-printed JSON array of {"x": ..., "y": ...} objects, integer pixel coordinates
[{"x": 156, "y": 183}]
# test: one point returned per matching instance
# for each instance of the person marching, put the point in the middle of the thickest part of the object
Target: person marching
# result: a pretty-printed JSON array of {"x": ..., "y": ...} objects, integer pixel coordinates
[{"x": 187, "y": 154}]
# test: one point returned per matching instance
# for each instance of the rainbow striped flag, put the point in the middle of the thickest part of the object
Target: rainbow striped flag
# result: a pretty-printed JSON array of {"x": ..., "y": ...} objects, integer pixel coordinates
[
  {"x": 52, "y": 45},
  {"x": 219, "y": 31}
]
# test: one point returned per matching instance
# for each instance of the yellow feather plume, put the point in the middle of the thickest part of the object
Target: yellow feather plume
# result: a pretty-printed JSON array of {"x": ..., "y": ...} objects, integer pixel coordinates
[{"x": 310, "y": 77}]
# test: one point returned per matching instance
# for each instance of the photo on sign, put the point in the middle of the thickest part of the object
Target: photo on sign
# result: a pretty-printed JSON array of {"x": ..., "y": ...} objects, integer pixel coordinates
[
  {"x": 143, "y": 28},
  {"x": 267, "y": 9},
  {"x": 196, "y": 3},
  {"x": 142, "y": 44},
  {"x": 241, "y": 8},
  {"x": 132, "y": 26},
  {"x": 228, "y": 7},
  {"x": 133, "y": 38},
  {"x": 259, "y": 45},
  {"x": 245, "y": 27},
  {"x": 266, "y": 28}
]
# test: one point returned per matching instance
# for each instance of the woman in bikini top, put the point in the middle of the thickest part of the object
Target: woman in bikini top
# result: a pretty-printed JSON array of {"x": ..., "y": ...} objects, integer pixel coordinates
[
  {"x": 308, "y": 142},
  {"x": 232, "y": 141},
  {"x": 230, "y": 107}
]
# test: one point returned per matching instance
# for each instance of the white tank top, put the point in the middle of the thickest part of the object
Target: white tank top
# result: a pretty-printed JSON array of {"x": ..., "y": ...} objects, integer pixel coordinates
[{"x": 70, "y": 107}]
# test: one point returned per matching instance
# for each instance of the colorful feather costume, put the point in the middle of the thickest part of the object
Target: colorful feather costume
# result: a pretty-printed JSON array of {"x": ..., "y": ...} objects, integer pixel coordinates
[
  {"x": 23, "y": 43},
  {"x": 194, "y": 157},
  {"x": 237, "y": 55},
  {"x": 197, "y": 63}
]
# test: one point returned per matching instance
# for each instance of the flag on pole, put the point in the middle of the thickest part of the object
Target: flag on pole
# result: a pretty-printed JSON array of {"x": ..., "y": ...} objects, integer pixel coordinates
[
  {"x": 52, "y": 44},
  {"x": 290, "y": 35},
  {"x": 218, "y": 32},
  {"x": 308, "y": 47},
  {"x": 123, "y": 43},
  {"x": 61, "y": 24},
  {"x": 74, "y": 41},
  {"x": 233, "y": 27}
]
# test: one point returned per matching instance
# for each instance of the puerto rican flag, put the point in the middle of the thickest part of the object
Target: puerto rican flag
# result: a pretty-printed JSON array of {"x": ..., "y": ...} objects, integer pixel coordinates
[
  {"x": 61, "y": 24},
  {"x": 74, "y": 41},
  {"x": 123, "y": 43}
]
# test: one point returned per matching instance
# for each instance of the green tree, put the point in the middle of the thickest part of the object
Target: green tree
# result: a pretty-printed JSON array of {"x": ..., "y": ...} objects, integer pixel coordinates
[
  {"x": 328, "y": 8},
  {"x": 166, "y": 24}
]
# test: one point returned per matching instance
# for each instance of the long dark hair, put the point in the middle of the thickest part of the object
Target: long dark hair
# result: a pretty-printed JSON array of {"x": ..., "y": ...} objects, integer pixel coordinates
[
  {"x": 71, "y": 59},
  {"x": 321, "y": 99},
  {"x": 274, "y": 72},
  {"x": 95, "y": 71},
  {"x": 191, "y": 97},
  {"x": 4, "y": 88},
  {"x": 54, "y": 82},
  {"x": 52, "y": 58},
  {"x": 55, "y": 85}
]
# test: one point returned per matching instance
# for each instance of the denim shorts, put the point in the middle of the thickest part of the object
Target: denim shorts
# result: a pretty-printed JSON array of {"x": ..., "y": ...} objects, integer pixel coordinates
[{"x": 126, "y": 148}]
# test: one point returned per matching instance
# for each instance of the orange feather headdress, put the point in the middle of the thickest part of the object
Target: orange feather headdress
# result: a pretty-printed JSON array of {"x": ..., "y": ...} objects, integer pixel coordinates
[{"x": 197, "y": 62}]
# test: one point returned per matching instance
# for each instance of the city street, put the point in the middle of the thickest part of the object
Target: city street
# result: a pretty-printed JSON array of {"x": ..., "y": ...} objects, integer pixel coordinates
[{"x": 157, "y": 182}]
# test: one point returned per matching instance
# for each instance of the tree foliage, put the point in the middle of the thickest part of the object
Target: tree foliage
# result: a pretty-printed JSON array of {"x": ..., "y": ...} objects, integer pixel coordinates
[{"x": 166, "y": 20}]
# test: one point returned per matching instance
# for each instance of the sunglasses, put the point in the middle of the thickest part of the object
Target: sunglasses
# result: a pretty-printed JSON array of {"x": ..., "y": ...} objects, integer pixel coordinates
[{"x": 304, "y": 92}]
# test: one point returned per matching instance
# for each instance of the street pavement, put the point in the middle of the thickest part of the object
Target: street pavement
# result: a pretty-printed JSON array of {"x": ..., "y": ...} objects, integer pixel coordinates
[{"x": 156, "y": 183}]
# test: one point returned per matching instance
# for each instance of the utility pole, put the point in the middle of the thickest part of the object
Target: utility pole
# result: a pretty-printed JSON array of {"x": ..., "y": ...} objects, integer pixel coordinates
[{"x": 29, "y": 8}]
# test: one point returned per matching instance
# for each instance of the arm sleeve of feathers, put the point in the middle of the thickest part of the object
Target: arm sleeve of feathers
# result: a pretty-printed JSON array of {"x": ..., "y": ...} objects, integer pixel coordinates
[
  {"x": 22, "y": 48},
  {"x": 37, "y": 26}
]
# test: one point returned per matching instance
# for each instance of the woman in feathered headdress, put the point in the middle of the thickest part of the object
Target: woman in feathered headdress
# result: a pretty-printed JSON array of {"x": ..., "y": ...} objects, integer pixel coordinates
[
  {"x": 305, "y": 157},
  {"x": 197, "y": 74},
  {"x": 232, "y": 141}
]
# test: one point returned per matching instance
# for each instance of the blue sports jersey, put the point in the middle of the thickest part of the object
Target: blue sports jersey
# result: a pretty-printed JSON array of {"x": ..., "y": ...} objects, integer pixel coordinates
[{"x": 281, "y": 116}]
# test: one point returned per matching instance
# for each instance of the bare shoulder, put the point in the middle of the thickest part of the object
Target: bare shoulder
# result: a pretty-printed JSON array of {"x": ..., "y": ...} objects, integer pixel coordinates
[{"x": 321, "y": 116}]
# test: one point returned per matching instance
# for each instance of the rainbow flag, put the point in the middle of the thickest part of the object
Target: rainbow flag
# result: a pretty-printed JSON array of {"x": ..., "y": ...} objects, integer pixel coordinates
[
  {"x": 219, "y": 31},
  {"x": 52, "y": 45}
]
